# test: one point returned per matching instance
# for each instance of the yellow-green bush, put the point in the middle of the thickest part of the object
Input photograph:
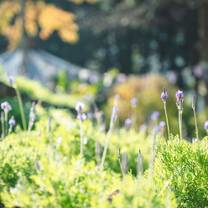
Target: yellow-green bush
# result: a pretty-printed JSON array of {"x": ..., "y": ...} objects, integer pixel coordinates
[
  {"x": 43, "y": 168},
  {"x": 45, "y": 171},
  {"x": 147, "y": 90}
]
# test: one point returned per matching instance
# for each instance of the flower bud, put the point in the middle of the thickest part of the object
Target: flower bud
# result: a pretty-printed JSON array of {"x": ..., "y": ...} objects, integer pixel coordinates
[
  {"x": 164, "y": 95},
  {"x": 6, "y": 107},
  {"x": 206, "y": 125}
]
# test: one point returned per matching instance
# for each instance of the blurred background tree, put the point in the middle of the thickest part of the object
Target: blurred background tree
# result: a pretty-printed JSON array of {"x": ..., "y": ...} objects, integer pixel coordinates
[
  {"x": 22, "y": 20},
  {"x": 136, "y": 36},
  {"x": 35, "y": 18}
]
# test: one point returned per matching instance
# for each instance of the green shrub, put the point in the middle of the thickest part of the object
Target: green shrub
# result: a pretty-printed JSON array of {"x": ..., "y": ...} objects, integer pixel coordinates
[{"x": 185, "y": 165}]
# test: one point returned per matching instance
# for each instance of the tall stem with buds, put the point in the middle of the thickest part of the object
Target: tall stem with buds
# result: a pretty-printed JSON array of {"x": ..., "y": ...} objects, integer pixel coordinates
[
  {"x": 112, "y": 122},
  {"x": 164, "y": 97},
  {"x": 12, "y": 123},
  {"x": 179, "y": 104},
  {"x": 6, "y": 107},
  {"x": 81, "y": 117},
  {"x": 81, "y": 139},
  {"x": 167, "y": 120},
  {"x": 140, "y": 165},
  {"x": 12, "y": 83},
  {"x": 6, "y": 122},
  {"x": 2, "y": 125},
  {"x": 195, "y": 117},
  {"x": 206, "y": 127}
]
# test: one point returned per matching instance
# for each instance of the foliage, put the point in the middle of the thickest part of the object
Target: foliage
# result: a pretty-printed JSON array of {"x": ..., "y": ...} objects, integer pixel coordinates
[
  {"x": 39, "y": 18},
  {"x": 158, "y": 196},
  {"x": 40, "y": 169},
  {"x": 43, "y": 167},
  {"x": 184, "y": 165},
  {"x": 147, "y": 90}
]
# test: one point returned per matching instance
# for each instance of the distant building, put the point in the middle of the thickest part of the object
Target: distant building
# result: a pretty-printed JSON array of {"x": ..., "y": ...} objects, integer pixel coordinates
[{"x": 39, "y": 65}]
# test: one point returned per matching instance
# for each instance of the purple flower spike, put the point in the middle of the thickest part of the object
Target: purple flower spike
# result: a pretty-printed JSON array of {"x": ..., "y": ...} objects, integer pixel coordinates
[
  {"x": 143, "y": 127},
  {"x": 128, "y": 123},
  {"x": 6, "y": 107},
  {"x": 179, "y": 96},
  {"x": 11, "y": 80},
  {"x": 114, "y": 114},
  {"x": 82, "y": 117},
  {"x": 79, "y": 107},
  {"x": 206, "y": 125},
  {"x": 155, "y": 116},
  {"x": 134, "y": 102},
  {"x": 12, "y": 121},
  {"x": 162, "y": 124},
  {"x": 157, "y": 129},
  {"x": 164, "y": 95}
]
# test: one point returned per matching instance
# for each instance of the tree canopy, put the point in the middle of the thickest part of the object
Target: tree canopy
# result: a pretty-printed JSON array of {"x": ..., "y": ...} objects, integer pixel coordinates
[{"x": 39, "y": 18}]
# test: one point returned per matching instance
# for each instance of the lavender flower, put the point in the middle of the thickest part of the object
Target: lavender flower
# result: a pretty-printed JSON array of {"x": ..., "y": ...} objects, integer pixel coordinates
[
  {"x": 114, "y": 113},
  {"x": 128, "y": 123},
  {"x": 179, "y": 104},
  {"x": 12, "y": 122},
  {"x": 79, "y": 107},
  {"x": 134, "y": 102},
  {"x": 156, "y": 129},
  {"x": 82, "y": 117},
  {"x": 179, "y": 96},
  {"x": 155, "y": 116},
  {"x": 6, "y": 107},
  {"x": 11, "y": 80},
  {"x": 162, "y": 124},
  {"x": 143, "y": 127},
  {"x": 90, "y": 115},
  {"x": 206, "y": 125},
  {"x": 164, "y": 95}
]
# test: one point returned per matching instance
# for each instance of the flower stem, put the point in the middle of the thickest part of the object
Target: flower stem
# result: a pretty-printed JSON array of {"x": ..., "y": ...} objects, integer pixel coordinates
[
  {"x": 6, "y": 121},
  {"x": 81, "y": 139},
  {"x": 196, "y": 125},
  {"x": 180, "y": 112},
  {"x": 109, "y": 133},
  {"x": 106, "y": 145},
  {"x": 167, "y": 120},
  {"x": 20, "y": 103},
  {"x": 2, "y": 125},
  {"x": 153, "y": 153},
  {"x": 112, "y": 121}
]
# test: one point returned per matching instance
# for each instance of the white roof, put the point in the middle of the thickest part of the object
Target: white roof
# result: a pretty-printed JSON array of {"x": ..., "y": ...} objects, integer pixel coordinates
[{"x": 40, "y": 65}]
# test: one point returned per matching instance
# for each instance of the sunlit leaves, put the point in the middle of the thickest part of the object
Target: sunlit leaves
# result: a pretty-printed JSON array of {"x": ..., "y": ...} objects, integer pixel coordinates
[{"x": 40, "y": 19}]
